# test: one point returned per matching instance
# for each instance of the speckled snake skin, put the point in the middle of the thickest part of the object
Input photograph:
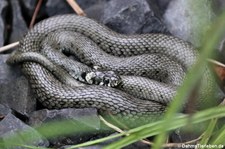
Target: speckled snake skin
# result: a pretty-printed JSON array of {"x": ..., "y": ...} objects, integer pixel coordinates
[{"x": 151, "y": 66}]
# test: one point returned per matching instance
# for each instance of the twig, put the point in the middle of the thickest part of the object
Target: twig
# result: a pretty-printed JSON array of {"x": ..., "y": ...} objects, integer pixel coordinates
[
  {"x": 15, "y": 44},
  {"x": 148, "y": 142},
  {"x": 9, "y": 46},
  {"x": 219, "y": 69},
  {"x": 184, "y": 143},
  {"x": 216, "y": 62},
  {"x": 110, "y": 125},
  {"x": 37, "y": 8},
  {"x": 119, "y": 130},
  {"x": 72, "y": 3},
  {"x": 76, "y": 7}
]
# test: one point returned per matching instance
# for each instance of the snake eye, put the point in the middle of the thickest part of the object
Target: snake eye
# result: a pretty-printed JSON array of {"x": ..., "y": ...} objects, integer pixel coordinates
[
  {"x": 116, "y": 83},
  {"x": 106, "y": 82}
]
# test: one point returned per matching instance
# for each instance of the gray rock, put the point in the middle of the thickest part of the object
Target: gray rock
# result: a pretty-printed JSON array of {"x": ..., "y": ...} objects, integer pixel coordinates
[
  {"x": 96, "y": 11},
  {"x": 84, "y": 119},
  {"x": 163, "y": 4},
  {"x": 54, "y": 7},
  {"x": 28, "y": 6},
  {"x": 188, "y": 21},
  {"x": 19, "y": 27},
  {"x": 3, "y": 8},
  {"x": 132, "y": 16},
  {"x": 222, "y": 3},
  {"x": 135, "y": 145},
  {"x": 4, "y": 110},
  {"x": 218, "y": 6},
  {"x": 10, "y": 126},
  {"x": 84, "y": 4},
  {"x": 14, "y": 88},
  {"x": 180, "y": 136},
  {"x": 88, "y": 147},
  {"x": 45, "y": 115}
]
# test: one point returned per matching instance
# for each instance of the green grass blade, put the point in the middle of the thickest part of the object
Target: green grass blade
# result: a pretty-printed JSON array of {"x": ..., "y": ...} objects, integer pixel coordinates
[
  {"x": 179, "y": 121},
  {"x": 219, "y": 138},
  {"x": 48, "y": 130},
  {"x": 215, "y": 34},
  {"x": 209, "y": 131}
]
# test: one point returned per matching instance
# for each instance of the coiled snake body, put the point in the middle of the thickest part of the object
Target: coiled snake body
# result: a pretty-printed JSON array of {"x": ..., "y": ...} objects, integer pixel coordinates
[{"x": 151, "y": 66}]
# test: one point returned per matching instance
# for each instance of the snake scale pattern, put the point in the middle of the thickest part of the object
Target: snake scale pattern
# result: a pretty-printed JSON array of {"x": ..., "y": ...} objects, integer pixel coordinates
[{"x": 151, "y": 66}]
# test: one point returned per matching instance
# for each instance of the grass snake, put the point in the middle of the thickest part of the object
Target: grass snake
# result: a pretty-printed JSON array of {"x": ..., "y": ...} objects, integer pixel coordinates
[{"x": 151, "y": 66}]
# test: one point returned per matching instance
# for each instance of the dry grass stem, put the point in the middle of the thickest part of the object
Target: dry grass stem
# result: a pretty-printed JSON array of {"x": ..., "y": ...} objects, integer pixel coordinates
[
  {"x": 167, "y": 145},
  {"x": 9, "y": 46},
  {"x": 15, "y": 44},
  {"x": 216, "y": 63},
  {"x": 110, "y": 125},
  {"x": 35, "y": 13},
  {"x": 76, "y": 7},
  {"x": 119, "y": 130}
]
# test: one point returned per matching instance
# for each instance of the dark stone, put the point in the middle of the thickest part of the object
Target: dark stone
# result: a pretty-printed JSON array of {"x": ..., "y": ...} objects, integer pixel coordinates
[
  {"x": 4, "y": 110},
  {"x": 218, "y": 6},
  {"x": 19, "y": 27},
  {"x": 188, "y": 21},
  {"x": 163, "y": 4},
  {"x": 14, "y": 88},
  {"x": 54, "y": 7},
  {"x": 45, "y": 115},
  {"x": 3, "y": 8},
  {"x": 132, "y": 16},
  {"x": 79, "y": 117},
  {"x": 11, "y": 125},
  {"x": 28, "y": 7},
  {"x": 96, "y": 11},
  {"x": 181, "y": 136},
  {"x": 88, "y": 147},
  {"x": 135, "y": 145},
  {"x": 84, "y": 4}
]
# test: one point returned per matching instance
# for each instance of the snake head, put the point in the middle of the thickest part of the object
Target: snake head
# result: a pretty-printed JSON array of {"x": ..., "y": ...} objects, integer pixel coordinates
[{"x": 104, "y": 78}]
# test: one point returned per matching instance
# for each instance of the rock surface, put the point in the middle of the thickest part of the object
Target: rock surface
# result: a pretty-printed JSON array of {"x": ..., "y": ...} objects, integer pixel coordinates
[
  {"x": 11, "y": 125},
  {"x": 84, "y": 4},
  {"x": 162, "y": 4},
  {"x": 96, "y": 11},
  {"x": 28, "y": 7},
  {"x": 14, "y": 88},
  {"x": 82, "y": 119},
  {"x": 131, "y": 16},
  {"x": 4, "y": 110},
  {"x": 55, "y": 7},
  {"x": 88, "y": 147},
  {"x": 187, "y": 21},
  {"x": 3, "y": 7},
  {"x": 19, "y": 27},
  {"x": 45, "y": 115},
  {"x": 219, "y": 6}
]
